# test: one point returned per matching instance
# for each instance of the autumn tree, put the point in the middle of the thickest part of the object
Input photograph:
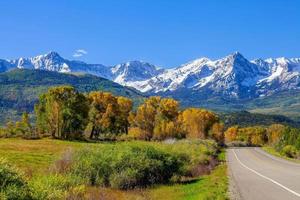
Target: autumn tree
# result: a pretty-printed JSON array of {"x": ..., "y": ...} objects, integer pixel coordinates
[
  {"x": 197, "y": 122},
  {"x": 254, "y": 135},
  {"x": 274, "y": 133},
  {"x": 257, "y": 135},
  {"x": 108, "y": 114},
  {"x": 145, "y": 116},
  {"x": 231, "y": 134},
  {"x": 217, "y": 132},
  {"x": 125, "y": 107},
  {"x": 165, "y": 120},
  {"x": 102, "y": 112},
  {"x": 156, "y": 119}
]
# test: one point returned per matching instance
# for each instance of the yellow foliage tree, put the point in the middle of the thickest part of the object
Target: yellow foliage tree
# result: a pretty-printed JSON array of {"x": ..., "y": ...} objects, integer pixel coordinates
[
  {"x": 125, "y": 106},
  {"x": 108, "y": 114},
  {"x": 197, "y": 122},
  {"x": 217, "y": 132},
  {"x": 145, "y": 116},
  {"x": 274, "y": 133},
  {"x": 231, "y": 134}
]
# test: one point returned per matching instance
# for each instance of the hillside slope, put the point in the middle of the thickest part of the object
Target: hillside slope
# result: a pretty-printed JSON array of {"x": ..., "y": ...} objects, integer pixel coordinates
[{"x": 20, "y": 88}]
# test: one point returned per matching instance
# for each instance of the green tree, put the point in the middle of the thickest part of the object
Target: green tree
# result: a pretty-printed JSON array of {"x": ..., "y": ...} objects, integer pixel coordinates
[
  {"x": 23, "y": 127},
  {"x": 62, "y": 112}
]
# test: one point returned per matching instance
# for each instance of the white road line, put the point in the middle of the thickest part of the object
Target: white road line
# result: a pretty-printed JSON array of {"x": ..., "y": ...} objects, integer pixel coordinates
[{"x": 259, "y": 174}]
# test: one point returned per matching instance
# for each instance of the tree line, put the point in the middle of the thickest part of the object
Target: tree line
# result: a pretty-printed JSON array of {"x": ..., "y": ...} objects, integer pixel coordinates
[
  {"x": 65, "y": 113},
  {"x": 284, "y": 139}
]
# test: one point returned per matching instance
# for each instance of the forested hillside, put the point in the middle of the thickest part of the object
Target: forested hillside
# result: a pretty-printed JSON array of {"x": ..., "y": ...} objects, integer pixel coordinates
[
  {"x": 20, "y": 89},
  {"x": 245, "y": 118}
]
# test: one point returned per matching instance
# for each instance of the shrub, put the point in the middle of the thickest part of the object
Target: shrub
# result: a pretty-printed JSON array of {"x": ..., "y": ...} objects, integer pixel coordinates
[
  {"x": 126, "y": 166},
  {"x": 289, "y": 151},
  {"x": 137, "y": 134},
  {"x": 290, "y": 136},
  {"x": 12, "y": 182},
  {"x": 54, "y": 186}
]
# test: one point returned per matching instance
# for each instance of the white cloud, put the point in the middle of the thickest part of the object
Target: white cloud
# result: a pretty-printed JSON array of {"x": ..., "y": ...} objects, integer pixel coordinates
[{"x": 79, "y": 53}]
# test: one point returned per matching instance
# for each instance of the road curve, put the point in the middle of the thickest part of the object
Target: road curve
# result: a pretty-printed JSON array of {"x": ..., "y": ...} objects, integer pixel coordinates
[{"x": 257, "y": 175}]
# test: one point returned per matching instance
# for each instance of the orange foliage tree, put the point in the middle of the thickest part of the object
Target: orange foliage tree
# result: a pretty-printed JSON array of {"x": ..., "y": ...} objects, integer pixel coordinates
[{"x": 108, "y": 114}]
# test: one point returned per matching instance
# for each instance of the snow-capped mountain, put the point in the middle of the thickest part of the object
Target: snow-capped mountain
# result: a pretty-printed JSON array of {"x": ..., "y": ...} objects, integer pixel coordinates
[
  {"x": 54, "y": 62},
  {"x": 232, "y": 76},
  {"x": 134, "y": 73},
  {"x": 125, "y": 73},
  {"x": 283, "y": 74},
  {"x": 229, "y": 75}
]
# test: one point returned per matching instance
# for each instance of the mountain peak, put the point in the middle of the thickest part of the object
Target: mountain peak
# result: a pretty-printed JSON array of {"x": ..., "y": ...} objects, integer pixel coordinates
[
  {"x": 135, "y": 63},
  {"x": 235, "y": 58},
  {"x": 236, "y": 55},
  {"x": 52, "y": 54}
]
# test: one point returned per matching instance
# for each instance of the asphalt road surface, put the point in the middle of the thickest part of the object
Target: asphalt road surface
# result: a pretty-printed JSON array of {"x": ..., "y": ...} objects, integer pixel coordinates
[{"x": 257, "y": 175}]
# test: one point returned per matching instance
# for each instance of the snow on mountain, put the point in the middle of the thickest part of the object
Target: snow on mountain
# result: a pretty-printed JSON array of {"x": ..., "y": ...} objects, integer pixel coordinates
[
  {"x": 231, "y": 76},
  {"x": 134, "y": 72},
  {"x": 283, "y": 74},
  {"x": 227, "y": 75},
  {"x": 54, "y": 62},
  {"x": 125, "y": 74}
]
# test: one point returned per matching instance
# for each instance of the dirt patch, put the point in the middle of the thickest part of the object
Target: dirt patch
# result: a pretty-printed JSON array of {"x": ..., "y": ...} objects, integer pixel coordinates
[{"x": 204, "y": 169}]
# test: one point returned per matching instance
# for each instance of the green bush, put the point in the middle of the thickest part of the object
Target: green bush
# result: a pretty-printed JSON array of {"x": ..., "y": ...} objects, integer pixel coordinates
[
  {"x": 290, "y": 136},
  {"x": 12, "y": 182},
  {"x": 126, "y": 166},
  {"x": 53, "y": 186},
  {"x": 289, "y": 151}
]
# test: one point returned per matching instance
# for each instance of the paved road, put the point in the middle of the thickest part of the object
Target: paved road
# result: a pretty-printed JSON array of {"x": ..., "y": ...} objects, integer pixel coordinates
[{"x": 257, "y": 175}]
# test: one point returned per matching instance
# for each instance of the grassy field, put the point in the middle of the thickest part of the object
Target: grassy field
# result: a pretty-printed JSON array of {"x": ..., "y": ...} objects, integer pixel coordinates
[
  {"x": 34, "y": 155},
  {"x": 37, "y": 156}
]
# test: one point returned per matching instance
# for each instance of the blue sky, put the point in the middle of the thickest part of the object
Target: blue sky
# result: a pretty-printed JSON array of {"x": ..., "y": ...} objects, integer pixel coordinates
[{"x": 163, "y": 32}]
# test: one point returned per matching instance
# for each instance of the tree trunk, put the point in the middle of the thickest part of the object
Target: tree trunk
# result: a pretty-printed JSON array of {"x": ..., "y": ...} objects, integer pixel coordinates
[{"x": 92, "y": 132}]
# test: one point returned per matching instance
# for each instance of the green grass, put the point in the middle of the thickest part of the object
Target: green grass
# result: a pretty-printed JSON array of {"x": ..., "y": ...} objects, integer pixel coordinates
[
  {"x": 273, "y": 152},
  {"x": 34, "y": 155},
  {"x": 209, "y": 187},
  {"x": 37, "y": 156}
]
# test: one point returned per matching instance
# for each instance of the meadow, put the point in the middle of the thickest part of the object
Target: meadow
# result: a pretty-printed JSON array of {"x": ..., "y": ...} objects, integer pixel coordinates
[{"x": 44, "y": 163}]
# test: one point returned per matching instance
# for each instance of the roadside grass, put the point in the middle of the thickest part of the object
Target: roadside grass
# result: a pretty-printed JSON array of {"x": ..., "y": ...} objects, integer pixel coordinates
[
  {"x": 273, "y": 152},
  {"x": 208, "y": 187},
  {"x": 37, "y": 156}
]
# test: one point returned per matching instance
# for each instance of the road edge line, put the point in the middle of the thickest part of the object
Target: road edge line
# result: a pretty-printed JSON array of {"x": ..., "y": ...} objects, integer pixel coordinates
[{"x": 265, "y": 177}]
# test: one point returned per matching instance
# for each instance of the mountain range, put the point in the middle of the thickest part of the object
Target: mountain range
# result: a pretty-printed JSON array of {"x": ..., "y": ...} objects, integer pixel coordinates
[{"x": 231, "y": 77}]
